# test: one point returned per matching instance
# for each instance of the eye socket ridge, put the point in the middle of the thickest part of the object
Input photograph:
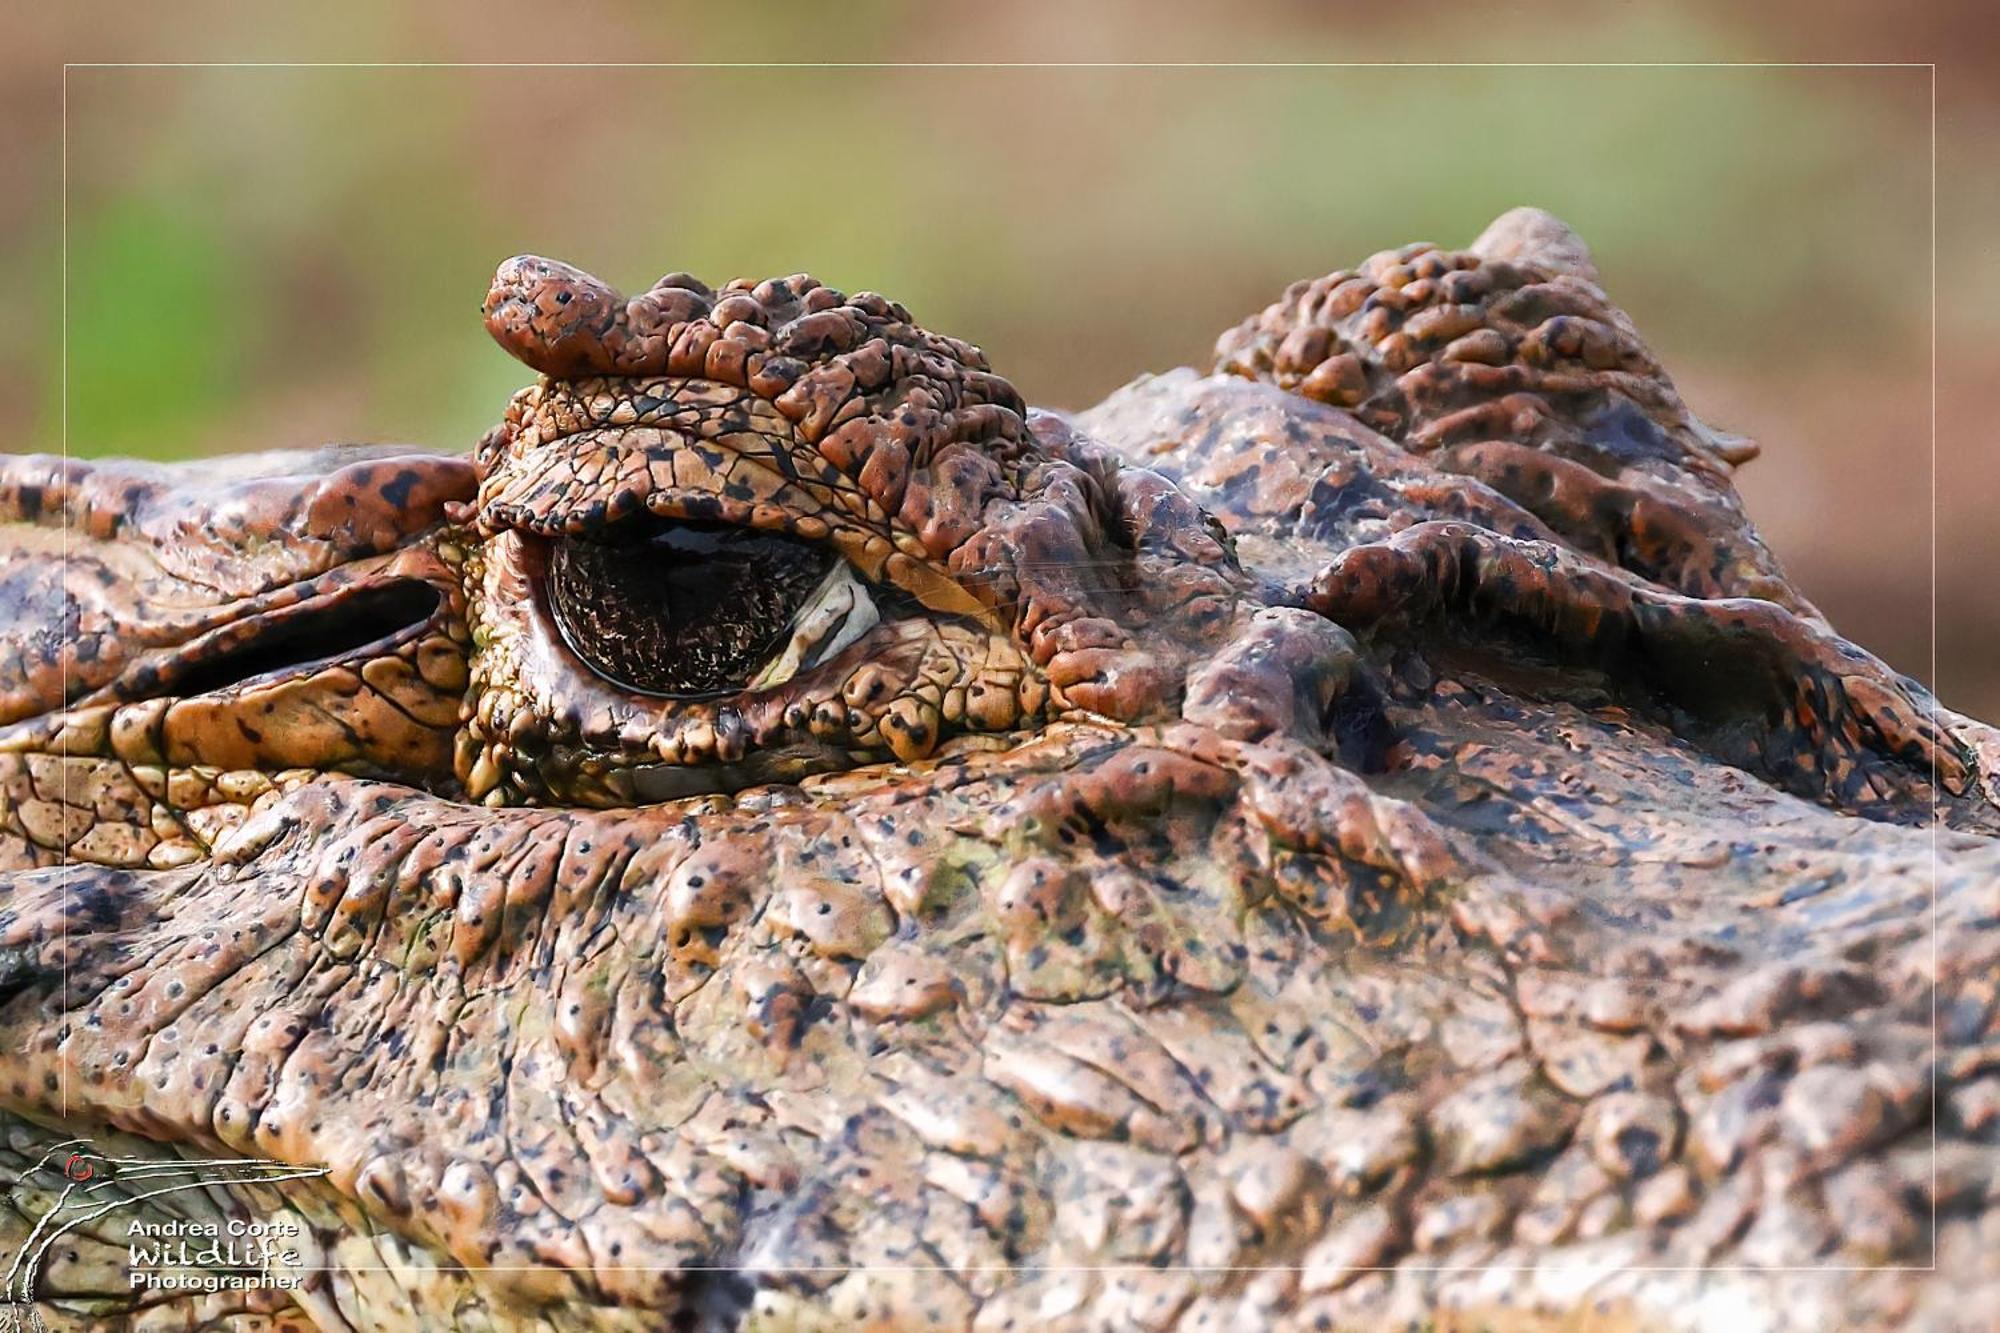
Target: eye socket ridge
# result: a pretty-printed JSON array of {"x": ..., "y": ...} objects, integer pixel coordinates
[{"x": 693, "y": 610}]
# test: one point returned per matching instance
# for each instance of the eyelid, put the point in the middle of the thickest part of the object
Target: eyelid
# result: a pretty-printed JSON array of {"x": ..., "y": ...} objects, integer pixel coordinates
[
  {"x": 837, "y": 613},
  {"x": 582, "y": 484}
]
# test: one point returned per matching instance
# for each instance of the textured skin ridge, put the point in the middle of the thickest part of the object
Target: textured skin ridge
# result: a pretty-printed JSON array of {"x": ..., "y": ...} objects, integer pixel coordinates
[
  {"x": 855, "y": 375},
  {"x": 1507, "y": 363},
  {"x": 1840, "y": 714},
  {"x": 156, "y": 556},
  {"x": 1275, "y": 864},
  {"x": 974, "y": 511}
]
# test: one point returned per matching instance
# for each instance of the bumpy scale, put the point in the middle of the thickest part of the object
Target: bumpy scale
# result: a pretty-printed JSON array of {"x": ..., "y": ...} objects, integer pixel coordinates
[{"x": 1365, "y": 834}]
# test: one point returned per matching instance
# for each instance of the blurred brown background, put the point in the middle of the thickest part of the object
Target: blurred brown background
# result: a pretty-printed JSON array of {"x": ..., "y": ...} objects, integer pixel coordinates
[{"x": 262, "y": 257}]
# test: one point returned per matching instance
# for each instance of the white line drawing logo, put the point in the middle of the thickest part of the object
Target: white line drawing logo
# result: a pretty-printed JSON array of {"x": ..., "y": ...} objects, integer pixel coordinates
[{"x": 96, "y": 1185}]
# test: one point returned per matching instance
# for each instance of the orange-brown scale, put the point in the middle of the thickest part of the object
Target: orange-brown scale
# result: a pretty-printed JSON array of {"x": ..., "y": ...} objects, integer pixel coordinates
[
  {"x": 1513, "y": 341},
  {"x": 1286, "y": 991},
  {"x": 133, "y": 562},
  {"x": 156, "y": 744},
  {"x": 1298, "y": 481},
  {"x": 837, "y": 422},
  {"x": 157, "y": 781},
  {"x": 1764, "y": 688}
]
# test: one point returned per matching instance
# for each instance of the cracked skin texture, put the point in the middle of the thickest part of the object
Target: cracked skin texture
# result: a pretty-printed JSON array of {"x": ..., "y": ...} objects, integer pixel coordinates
[{"x": 1362, "y": 837}]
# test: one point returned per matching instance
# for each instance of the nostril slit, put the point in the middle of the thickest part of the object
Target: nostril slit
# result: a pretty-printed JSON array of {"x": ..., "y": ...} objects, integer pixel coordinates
[{"x": 306, "y": 636}]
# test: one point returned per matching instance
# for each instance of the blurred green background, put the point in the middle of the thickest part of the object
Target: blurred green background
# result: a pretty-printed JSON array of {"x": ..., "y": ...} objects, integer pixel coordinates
[{"x": 265, "y": 257}]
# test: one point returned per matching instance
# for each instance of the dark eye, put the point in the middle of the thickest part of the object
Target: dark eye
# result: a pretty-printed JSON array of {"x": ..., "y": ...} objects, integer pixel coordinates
[{"x": 691, "y": 610}]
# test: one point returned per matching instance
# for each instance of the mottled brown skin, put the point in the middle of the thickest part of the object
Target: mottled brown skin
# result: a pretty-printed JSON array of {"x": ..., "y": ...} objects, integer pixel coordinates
[{"x": 1362, "y": 837}]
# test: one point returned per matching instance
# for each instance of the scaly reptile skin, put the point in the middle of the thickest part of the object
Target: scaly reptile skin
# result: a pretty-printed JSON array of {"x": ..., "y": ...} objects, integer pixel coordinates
[{"x": 1365, "y": 836}]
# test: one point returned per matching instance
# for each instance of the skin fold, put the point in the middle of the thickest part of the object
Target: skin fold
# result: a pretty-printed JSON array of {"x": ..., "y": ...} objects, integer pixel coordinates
[{"x": 1363, "y": 836}]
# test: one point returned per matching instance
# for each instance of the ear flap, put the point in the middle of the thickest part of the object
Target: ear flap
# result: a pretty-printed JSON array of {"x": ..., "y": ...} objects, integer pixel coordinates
[{"x": 1534, "y": 237}]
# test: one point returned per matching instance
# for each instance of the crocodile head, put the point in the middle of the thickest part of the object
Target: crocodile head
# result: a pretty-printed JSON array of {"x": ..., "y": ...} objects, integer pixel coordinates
[{"x": 784, "y": 835}]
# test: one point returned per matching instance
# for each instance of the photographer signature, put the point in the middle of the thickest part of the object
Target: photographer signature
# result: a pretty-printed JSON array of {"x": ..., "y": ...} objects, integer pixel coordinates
[{"x": 94, "y": 1185}]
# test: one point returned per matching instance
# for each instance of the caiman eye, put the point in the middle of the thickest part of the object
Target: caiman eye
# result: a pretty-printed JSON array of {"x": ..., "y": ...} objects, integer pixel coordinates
[{"x": 704, "y": 609}]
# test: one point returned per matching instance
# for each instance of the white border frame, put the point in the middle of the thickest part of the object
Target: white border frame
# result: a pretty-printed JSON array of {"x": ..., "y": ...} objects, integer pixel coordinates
[{"x": 1109, "y": 65}]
